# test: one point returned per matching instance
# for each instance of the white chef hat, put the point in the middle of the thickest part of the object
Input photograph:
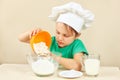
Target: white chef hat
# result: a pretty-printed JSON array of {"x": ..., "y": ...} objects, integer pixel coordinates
[{"x": 73, "y": 15}]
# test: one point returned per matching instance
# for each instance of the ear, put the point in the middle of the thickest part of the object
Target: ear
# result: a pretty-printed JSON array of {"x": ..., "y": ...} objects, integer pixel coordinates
[{"x": 78, "y": 35}]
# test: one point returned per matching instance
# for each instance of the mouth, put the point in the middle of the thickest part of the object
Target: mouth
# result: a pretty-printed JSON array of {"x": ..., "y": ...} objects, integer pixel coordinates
[{"x": 60, "y": 43}]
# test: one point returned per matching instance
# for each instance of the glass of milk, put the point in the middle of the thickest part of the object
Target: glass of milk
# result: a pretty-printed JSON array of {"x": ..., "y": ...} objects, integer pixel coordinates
[{"x": 92, "y": 64}]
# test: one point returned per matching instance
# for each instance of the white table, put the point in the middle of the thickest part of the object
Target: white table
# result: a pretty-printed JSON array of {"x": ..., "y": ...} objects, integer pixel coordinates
[{"x": 24, "y": 72}]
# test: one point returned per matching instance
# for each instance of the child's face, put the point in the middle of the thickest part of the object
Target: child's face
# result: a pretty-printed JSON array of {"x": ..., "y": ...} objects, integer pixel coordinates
[{"x": 64, "y": 35}]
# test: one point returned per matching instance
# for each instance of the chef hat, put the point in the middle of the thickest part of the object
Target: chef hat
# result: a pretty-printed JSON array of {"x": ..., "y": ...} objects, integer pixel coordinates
[{"x": 73, "y": 15}]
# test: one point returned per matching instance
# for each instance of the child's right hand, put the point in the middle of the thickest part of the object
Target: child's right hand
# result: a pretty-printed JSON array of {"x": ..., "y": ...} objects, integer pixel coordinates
[
  {"x": 26, "y": 36},
  {"x": 34, "y": 31}
]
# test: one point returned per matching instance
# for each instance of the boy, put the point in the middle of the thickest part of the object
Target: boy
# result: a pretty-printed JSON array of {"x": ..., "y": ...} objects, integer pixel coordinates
[{"x": 70, "y": 19}]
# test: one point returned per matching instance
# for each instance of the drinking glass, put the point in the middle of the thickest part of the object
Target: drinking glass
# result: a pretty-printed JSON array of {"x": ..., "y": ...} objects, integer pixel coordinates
[{"x": 92, "y": 64}]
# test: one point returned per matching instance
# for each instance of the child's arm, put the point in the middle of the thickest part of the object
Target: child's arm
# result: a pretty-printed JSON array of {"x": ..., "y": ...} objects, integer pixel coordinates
[
  {"x": 71, "y": 63},
  {"x": 26, "y": 36}
]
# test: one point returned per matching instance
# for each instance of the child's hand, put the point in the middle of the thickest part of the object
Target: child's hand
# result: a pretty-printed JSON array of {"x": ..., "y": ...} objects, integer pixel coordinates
[
  {"x": 55, "y": 57},
  {"x": 34, "y": 31},
  {"x": 26, "y": 36}
]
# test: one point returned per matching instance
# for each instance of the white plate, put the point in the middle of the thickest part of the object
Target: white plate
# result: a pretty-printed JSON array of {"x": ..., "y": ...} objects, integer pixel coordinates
[{"x": 70, "y": 74}]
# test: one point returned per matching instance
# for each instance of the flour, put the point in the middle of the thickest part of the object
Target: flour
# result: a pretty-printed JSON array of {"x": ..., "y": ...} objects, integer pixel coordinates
[
  {"x": 41, "y": 48},
  {"x": 43, "y": 67}
]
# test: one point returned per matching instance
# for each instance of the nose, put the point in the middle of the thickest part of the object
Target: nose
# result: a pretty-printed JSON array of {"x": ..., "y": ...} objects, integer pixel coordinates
[{"x": 60, "y": 37}]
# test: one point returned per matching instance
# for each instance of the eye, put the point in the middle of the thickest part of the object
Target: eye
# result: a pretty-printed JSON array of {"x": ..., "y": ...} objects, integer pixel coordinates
[
  {"x": 65, "y": 35},
  {"x": 57, "y": 32}
]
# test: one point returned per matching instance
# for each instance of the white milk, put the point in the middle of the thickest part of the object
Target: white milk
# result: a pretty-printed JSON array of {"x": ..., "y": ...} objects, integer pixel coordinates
[
  {"x": 43, "y": 67},
  {"x": 92, "y": 66}
]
